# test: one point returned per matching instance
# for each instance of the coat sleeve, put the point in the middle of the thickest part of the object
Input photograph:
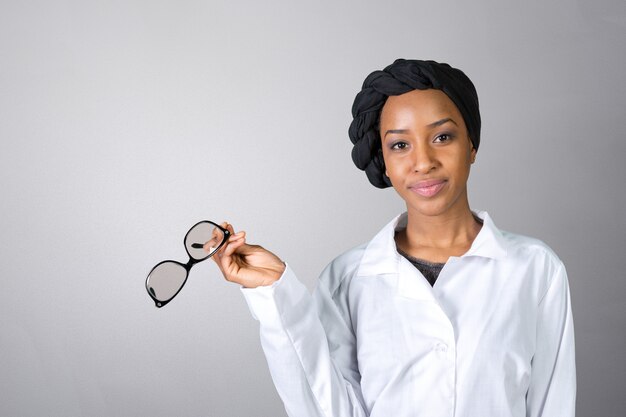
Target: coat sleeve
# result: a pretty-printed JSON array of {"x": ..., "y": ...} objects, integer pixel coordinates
[
  {"x": 309, "y": 346},
  {"x": 552, "y": 390}
]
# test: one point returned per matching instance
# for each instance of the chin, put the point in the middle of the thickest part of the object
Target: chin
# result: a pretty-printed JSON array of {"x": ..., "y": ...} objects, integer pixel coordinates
[
  {"x": 430, "y": 211},
  {"x": 427, "y": 208},
  {"x": 432, "y": 207}
]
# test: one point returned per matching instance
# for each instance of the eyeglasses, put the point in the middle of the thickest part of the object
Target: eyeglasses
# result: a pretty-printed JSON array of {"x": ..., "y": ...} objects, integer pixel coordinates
[{"x": 167, "y": 278}]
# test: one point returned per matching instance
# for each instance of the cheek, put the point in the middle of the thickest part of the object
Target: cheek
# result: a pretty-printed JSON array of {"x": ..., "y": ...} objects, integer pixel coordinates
[
  {"x": 394, "y": 167},
  {"x": 462, "y": 168},
  {"x": 459, "y": 160}
]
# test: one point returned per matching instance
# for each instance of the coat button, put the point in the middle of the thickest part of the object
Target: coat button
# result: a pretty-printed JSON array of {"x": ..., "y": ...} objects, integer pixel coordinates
[{"x": 441, "y": 347}]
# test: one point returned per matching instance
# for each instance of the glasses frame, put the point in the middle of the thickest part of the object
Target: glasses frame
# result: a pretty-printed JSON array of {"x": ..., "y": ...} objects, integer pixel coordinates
[{"x": 190, "y": 263}]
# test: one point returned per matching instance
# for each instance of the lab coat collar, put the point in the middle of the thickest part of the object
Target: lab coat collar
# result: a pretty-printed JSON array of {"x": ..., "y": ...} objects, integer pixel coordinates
[{"x": 382, "y": 257}]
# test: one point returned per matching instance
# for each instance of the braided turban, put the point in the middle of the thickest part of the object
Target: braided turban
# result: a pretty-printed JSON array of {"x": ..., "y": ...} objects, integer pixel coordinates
[{"x": 398, "y": 78}]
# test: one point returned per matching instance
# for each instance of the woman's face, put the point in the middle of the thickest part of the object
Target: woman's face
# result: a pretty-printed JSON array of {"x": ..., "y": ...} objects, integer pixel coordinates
[{"x": 425, "y": 141}]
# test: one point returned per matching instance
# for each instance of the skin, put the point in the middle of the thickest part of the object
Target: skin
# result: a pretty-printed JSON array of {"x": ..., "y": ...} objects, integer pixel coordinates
[
  {"x": 413, "y": 150},
  {"x": 248, "y": 265}
]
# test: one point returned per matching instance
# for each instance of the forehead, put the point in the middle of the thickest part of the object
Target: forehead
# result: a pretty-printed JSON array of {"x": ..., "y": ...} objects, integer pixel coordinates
[{"x": 423, "y": 104}]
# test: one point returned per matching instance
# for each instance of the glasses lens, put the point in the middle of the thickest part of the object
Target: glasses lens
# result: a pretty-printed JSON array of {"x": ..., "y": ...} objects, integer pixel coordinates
[
  {"x": 165, "y": 280},
  {"x": 203, "y": 235}
]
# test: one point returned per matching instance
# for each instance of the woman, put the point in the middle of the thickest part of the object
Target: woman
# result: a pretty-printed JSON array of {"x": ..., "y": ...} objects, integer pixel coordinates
[{"x": 441, "y": 313}]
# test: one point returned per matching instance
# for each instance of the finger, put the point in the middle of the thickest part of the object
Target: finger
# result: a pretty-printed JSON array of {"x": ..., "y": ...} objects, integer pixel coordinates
[
  {"x": 238, "y": 235},
  {"x": 210, "y": 245},
  {"x": 229, "y": 260},
  {"x": 218, "y": 261},
  {"x": 232, "y": 238},
  {"x": 214, "y": 241},
  {"x": 232, "y": 247},
  {"x": 217, "y": 255},
  {"x": 229, "y": 227},
  {"x": 216, "y": 238},
  {"x": 224, "y": 258}
]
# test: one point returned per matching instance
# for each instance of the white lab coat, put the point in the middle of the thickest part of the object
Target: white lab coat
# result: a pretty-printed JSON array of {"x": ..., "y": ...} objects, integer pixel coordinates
[{"x": 494, "y": 337}]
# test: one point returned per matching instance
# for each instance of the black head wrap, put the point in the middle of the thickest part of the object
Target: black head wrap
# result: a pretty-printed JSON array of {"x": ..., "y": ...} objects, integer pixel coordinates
[{"x": 398, "y": 78}]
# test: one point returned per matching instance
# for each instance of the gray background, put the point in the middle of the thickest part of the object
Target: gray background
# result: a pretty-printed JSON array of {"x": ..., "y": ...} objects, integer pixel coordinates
[{"x": 124, "y": 122}]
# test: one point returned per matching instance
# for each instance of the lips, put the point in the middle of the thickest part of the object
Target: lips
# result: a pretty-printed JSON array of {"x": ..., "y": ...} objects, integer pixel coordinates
[{"x": 428, "y": 188}]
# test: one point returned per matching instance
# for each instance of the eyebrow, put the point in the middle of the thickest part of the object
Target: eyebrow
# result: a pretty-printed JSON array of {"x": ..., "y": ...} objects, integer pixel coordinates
[{"x": 431, "y": 125}]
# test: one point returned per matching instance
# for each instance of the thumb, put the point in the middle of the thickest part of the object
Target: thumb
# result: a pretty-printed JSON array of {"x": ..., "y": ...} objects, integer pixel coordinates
[
  {"x": 233, "y": 238},
  {"x": 226, "y": 257}
]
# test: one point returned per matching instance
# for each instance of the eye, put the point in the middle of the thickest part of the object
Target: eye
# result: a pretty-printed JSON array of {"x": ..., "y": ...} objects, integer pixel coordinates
[
  {"x": 399, "y": 146},
  {"x": 444, "y": 137}
]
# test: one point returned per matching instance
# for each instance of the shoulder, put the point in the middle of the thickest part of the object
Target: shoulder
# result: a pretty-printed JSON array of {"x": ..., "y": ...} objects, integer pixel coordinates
[
  {"x": 338, "y": 274},
  {"x": 340, "y": 270},
  {"x": 519, "y": 249},
  {"x": 535, "y": 260},
  {"x": 522, "y": 247}
]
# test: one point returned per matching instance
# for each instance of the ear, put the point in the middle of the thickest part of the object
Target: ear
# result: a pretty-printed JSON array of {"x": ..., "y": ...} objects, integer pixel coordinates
[{"x": 473, "y": 155}]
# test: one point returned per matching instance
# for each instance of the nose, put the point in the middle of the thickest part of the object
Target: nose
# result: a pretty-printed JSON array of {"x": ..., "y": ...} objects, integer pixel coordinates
[{"x": 424, "y": 158}]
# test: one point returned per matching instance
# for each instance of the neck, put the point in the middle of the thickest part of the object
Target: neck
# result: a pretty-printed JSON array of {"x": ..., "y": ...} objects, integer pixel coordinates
[{"x": 455, "y": 228}]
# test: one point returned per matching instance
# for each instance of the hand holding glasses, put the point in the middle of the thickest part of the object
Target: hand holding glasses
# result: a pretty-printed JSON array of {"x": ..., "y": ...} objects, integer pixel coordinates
[{"x": 167, "y": 278}]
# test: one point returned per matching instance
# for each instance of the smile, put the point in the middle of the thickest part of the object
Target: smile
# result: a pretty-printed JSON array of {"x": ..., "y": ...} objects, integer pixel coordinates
[{"x": 429, "y": 191}]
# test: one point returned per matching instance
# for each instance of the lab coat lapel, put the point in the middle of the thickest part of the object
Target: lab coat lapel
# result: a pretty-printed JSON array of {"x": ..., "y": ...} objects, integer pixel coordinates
[
  {"x": 381, "y": 257},
  {"x": 412, "y": 284}
]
